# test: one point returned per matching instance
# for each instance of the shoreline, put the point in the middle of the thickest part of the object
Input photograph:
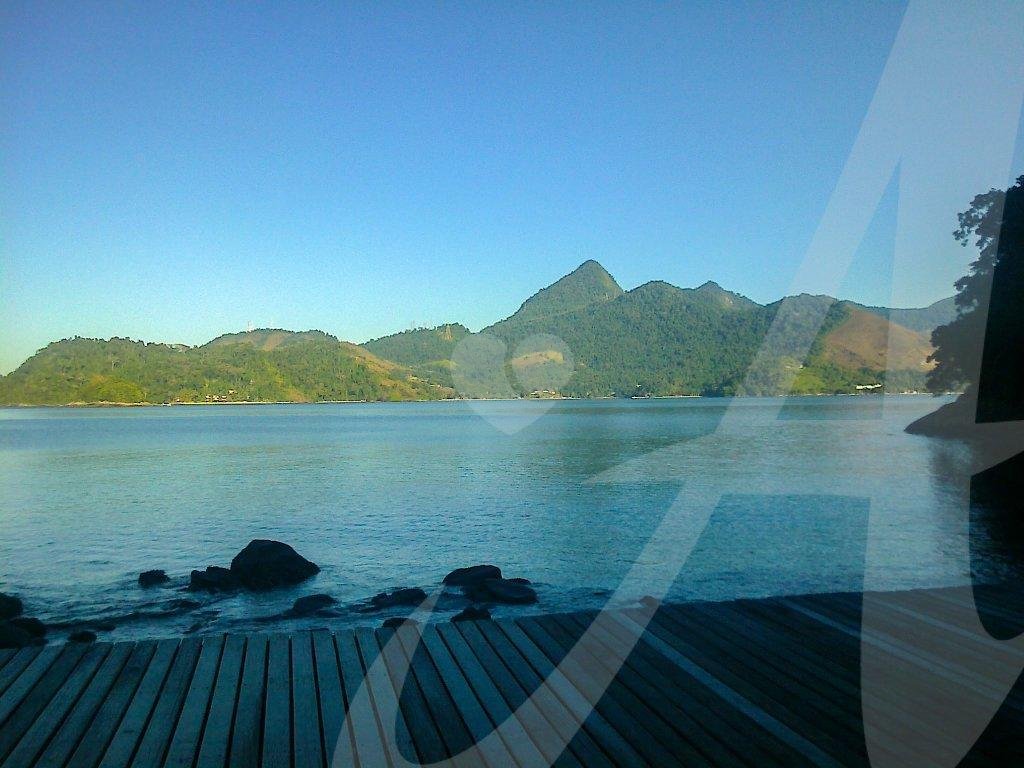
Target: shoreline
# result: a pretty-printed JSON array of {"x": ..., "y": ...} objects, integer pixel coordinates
[{"x": 104, "y": 404}]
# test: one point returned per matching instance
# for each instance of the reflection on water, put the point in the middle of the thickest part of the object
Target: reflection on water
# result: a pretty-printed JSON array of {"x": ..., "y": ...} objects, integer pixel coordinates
[{"x": 831, "y": 495}]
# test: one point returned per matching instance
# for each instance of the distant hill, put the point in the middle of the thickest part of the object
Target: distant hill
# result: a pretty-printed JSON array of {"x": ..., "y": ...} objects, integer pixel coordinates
[
  {"x": 924, "y": 320},
  {"x": 663, "y": 340},
  {"x": 427, "y": 351},
  {"x": 258, "y": 366},
  {"x": 656, "y": 339}
]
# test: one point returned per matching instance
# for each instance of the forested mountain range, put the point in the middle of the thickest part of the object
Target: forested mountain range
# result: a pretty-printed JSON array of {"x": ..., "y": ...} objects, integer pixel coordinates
[
  {"x": 259, "y": 366},
  {"x": 655, "y": 339},
  {"x": 658, "y": 339}
]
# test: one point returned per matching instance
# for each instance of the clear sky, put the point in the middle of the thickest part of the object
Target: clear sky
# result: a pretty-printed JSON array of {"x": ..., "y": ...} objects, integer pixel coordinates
[{"x": 172, "y": 171}]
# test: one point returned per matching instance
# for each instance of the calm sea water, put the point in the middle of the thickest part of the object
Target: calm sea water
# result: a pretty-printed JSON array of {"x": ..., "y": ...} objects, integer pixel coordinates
[{"x": 810, "y": 494}]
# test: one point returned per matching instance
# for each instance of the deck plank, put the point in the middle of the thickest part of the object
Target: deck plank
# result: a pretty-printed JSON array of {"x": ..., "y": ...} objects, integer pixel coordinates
[
  {"x": 451, "y": 727},
  {"x": 17, "y": 664},
  {"x": 338, "y": 747},
  {"x": 38, "y": 696},
  {"x": 553, "y": 713},
  {"x": 413, "y": 729},
  {"x": 307, "y": 745},
  {"x": 122, "y": 746},
  {"x": 386, "y": 696},
  {"x": 623, "y": 710},
  {"x": 277, "y": 713},
  {"x": 828, "y": 663},
  {"x": 216, "y": 741},
  {"x": 574, "y": 713},
  {"x": 495, "y": 750},
  {"x": 187, "y": 735},
  {"x": 22, "y": 685},
  {"x": 108, "y": 716},
  {"x": 157, "y": 736},
  {"x": 43, "y": 723},
  {"x": 500, "y": 694},
  {"x": 360, "y": 710},
  {"x": 759, "y": 692},
  {"x": 766, "y": 682},
  {"x": 246, "y": 730},
  {"x": 790, "y": 699},
  {"x": 653, "y": 684},
  {"x": 76, "y": 724}
]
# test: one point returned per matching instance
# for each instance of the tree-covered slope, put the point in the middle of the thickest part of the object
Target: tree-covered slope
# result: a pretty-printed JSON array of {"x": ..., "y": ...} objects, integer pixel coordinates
[
  {"x": 305, "y": 367},
  {"x": 588, "y": 284},
  {"x": 923, "y": 320},
  {"x": 582, "y": 336},
  {"x": 427, "y": 351}
]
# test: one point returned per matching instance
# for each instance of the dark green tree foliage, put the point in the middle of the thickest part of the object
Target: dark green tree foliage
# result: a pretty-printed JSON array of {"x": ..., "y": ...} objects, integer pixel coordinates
[
  {"x": 428, "y": 351},
  {"x": 988, "y": 304},
  {"x": 316, "y": 367}
]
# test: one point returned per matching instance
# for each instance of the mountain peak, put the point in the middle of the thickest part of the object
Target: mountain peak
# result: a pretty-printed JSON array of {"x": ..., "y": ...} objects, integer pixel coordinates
[
  {"x": 727, "y": 299},
  {"x": 589, "y": 283}
]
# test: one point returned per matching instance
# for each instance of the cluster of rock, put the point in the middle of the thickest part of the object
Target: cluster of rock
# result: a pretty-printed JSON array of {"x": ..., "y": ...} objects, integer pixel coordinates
[
  {"x": 263, "y": 564},
  {"x": 16, "y": 630},
  {"x": 485, "y": 586}
]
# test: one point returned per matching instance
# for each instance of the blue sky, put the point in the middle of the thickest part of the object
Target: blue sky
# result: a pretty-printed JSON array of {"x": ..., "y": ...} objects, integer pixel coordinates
[{"x": 172, "y": 172}]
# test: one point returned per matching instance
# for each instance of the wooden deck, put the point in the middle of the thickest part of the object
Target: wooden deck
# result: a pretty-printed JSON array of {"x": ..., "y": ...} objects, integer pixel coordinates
[{"x": 755, "y": 683}]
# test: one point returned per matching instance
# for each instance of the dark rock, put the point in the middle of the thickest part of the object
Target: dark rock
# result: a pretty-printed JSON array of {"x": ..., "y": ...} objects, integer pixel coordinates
[
  {"x": 310, "y": 604},
  {"x": 153, "y": 578},
  {"x": 213, "y": 579},
  {"x": 508, "y": 591},
  {"x": 474, "y": 574},
  {"x": 410, "y": 596},
  {"x": 265, "y": 564},
  {"x": 10, "y": 606},
  {"x": 82, "y": 636},
  {"x": 518, "y": 580},
  {"x": 472, "y": 613},
  {"x": 12, "y": 636},
  {"x": 34, "y": 627},
  {"x": 399, "y": 621},
  {"x": 650, "y": 602}
]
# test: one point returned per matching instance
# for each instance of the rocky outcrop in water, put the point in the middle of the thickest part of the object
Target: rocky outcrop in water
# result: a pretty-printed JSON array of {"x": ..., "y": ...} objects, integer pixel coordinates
[
  {"x": 266, "y": 564},
  {"x": 472, "y": 613},
  {"x": 82, "y": 636},
  {"x": 153, "y": 578},
  {"x": 311, "y": 604},
  {"x": 508, "y": 591},
  {"x": 10, "y": 606},
  {"x": 474, "y": 574},
  {"x": 400, "y": 597},
  {"x": 213, "y": 579},
  {"x": 33, "y": 626},
  {"x": 17, "y": 631}
]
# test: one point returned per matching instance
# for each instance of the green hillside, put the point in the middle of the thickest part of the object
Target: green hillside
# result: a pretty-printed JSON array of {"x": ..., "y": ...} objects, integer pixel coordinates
[
  {"x": 662, "y": 340},
  {"x": 427, "y": 351},
  {"x": 923, "y": 320},
  {"x": 297, "y": 367},
  {"x": 582, "y": 336}
]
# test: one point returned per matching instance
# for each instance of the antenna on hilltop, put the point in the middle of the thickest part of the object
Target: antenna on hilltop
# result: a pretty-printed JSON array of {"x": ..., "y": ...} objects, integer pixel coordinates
[{"x": 248, "y": 327}]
